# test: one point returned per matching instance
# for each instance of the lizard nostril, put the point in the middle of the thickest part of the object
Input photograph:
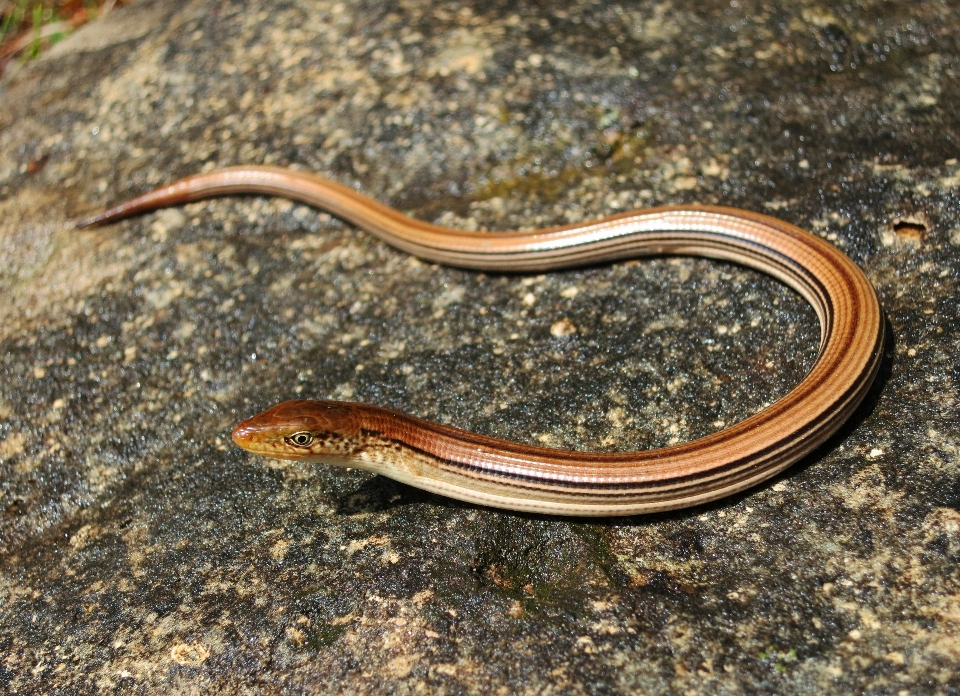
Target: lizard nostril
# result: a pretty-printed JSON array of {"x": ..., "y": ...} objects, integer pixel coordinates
[{"x": 243, "y": 435}]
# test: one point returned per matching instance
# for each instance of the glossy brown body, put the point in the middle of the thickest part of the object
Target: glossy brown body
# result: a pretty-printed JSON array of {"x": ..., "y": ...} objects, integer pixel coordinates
[{"x": 511, "y": 475}]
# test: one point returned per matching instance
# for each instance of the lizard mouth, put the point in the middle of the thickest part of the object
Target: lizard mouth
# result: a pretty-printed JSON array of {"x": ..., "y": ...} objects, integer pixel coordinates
[{"x": 249, "y": 436}]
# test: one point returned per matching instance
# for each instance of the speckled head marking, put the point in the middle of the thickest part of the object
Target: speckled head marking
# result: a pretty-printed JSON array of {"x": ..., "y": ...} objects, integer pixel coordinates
[{"x": 301, "y": 430}]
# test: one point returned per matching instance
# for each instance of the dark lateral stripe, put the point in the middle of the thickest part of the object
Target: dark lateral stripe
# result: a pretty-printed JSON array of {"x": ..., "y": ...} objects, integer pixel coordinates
[
  {"x": 625, "y": 244},
  {"x": 523, "y": 481}
]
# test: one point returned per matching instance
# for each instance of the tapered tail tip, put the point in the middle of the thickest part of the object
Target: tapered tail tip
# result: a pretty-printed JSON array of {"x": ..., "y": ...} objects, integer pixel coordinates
[
  {"x": 86, "y": 222},
  {"x": 100, "y": 218}
]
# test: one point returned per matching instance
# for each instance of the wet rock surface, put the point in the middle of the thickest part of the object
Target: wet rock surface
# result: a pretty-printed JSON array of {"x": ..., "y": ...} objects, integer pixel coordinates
[{"x": 142, "y": 552}]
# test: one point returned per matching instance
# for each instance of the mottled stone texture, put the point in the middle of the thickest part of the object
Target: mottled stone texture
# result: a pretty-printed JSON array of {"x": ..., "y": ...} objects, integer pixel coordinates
[{"x": 141, "y": 552}]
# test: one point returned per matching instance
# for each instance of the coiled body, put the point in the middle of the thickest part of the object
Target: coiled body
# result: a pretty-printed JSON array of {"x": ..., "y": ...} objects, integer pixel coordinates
[{"x": 503, "y": 474}]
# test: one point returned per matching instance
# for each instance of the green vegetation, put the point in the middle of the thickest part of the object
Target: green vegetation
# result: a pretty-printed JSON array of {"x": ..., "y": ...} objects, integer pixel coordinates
[{"x": 28, "y": 27}]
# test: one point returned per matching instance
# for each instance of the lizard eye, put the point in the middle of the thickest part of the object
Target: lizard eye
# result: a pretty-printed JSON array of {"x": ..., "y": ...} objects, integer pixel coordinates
[{"x": 301, "y": 439}]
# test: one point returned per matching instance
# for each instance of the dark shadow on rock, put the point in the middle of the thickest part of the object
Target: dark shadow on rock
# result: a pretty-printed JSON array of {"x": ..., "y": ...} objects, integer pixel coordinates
[{"x": 380, "y": 494}]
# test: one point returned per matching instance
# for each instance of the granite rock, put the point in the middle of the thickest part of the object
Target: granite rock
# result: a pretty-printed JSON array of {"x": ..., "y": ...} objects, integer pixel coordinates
[{"x": 141, "y": 552}]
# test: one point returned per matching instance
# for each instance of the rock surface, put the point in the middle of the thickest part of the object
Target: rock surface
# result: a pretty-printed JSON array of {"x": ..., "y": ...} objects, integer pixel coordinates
[{"x": 143, "y": 553}]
